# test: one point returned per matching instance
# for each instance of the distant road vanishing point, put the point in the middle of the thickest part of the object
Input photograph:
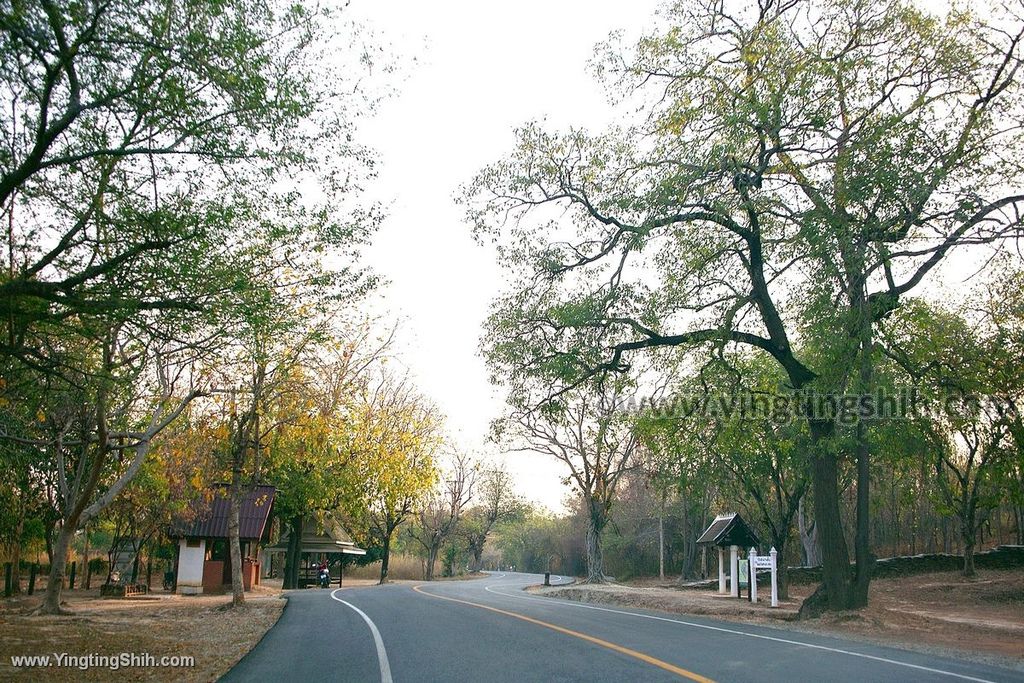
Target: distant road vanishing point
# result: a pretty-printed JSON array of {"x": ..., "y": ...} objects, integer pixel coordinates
[{"x": 490, "y": 630}]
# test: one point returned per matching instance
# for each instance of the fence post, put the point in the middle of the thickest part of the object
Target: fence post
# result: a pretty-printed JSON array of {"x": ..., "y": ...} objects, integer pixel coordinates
[
  {"x": 8, "y": 580},
  {"x": 734, "y": 571},
  {"x": 752, "y": 557},
  {"x": 88, "y": 574},
  {"x": 71, "y": 579},
  {"x": 775, "y": 577},
  {"x": 32, "y": 577}
]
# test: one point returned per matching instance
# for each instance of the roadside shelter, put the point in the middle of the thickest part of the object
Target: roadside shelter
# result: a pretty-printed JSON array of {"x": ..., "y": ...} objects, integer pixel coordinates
[
  {"x": 729, "y": 531},
  {"x": 323, "y": 538}
]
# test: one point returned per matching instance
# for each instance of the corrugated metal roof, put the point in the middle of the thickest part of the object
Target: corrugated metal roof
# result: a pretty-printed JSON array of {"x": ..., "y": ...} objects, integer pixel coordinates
[
  {"x": 210, "y": 513},
  {"x": 729, "y": 530},
  {"x": 711, "y": 534}
]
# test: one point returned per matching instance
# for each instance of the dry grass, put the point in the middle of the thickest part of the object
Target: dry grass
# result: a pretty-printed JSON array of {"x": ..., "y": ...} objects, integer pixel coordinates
[
  {"x": 197, "y": 626},
  {"x": 400, "y": 567}
]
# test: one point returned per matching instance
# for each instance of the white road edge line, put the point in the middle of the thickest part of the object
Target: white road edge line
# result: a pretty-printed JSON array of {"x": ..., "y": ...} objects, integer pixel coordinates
[
  {"x": 747, "y": 634},
  {"x": 382, "y": 654}
]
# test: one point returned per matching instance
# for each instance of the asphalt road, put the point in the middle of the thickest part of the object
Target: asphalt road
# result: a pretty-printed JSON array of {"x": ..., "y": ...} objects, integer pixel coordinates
[{"x": 490, "y": 630}]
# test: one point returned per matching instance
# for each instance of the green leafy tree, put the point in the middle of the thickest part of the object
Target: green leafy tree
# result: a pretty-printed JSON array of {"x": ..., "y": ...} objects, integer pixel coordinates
[
  {"x": 142, "y": 150},
  {"x": 130, "y": 124},
  {"x": 797, "y": 169},
  {"x": 969, "y": 380}
]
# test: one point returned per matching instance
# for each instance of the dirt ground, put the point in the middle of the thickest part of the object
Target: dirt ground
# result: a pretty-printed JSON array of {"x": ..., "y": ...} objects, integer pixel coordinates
[
  {"x": 171, "y": 625},
  {"x": 940, "y": 611},
  {"x": 943, "y": 613},
  {"x": 671, "y": 599}
]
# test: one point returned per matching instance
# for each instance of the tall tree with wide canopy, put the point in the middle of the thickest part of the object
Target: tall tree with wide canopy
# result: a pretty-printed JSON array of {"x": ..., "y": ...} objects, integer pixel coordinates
[{"x": 796, "y": 169}]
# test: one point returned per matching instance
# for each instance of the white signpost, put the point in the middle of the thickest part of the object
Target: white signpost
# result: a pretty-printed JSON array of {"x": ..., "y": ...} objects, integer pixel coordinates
[{"x": 769, "y": 561}]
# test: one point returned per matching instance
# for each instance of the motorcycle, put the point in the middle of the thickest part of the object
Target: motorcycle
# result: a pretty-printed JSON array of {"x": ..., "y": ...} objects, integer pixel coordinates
[{"x": 324, "y": 578}]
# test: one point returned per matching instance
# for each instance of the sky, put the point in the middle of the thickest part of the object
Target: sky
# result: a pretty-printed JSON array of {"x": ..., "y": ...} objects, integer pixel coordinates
[{"x": 480, "y": 70}]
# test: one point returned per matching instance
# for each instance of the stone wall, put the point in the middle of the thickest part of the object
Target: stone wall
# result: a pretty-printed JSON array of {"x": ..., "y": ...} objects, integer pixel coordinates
[{"x": 1002, "y": 557}]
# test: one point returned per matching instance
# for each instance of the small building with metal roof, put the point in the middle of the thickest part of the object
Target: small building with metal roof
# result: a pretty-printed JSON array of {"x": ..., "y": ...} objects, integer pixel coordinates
[{"x": 203, "y": 562}]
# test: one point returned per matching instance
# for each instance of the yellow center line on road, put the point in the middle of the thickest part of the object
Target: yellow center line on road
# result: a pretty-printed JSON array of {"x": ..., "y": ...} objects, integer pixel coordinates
[{"x": 654, "y": 661}]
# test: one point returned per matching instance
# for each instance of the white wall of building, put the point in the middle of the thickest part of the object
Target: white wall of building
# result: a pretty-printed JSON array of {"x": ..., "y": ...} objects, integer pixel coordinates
[{"x": 190, "y": 567}]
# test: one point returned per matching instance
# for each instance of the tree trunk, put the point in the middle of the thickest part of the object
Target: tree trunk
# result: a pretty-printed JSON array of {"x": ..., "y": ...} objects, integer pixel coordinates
[
  {"x": 808, "y": 537},
  {"x": 862, "y": 540},
  {"x": 968, "y": 558},
  {"x": 967, "y": 529},
  {"x": 782, "y": 570},
  {"x": 835, "y": 591},
  {"x": 687, "y": 541},
  {"x": 19, "y": 531},
  {"x": 49, "y": 534},
  {"x": 135, "y": 565},
  {"x": 58, "y": 560},
  {"x": 595, "y": 555},
  {"x": 661, "y": 540},
  {"x": 428, "y": 568},
  {"x": 1019, "y": 510},
  {"x": 913, "y": 528},
  {"x": 293, "y": 554},
  {"x": 385, "y": 556},
  {"x": 235, "y": 547}
]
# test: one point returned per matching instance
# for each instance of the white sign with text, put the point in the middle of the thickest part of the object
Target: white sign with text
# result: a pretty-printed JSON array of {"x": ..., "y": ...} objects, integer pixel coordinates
[{"x": 769, "y": 561}]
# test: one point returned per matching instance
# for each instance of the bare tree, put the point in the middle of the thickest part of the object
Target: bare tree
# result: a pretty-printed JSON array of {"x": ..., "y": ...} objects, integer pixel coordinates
[
  {"x": 591, "y": 432},
  {"x": 497, "y": 502},
  {"x": 441, "y": 511}
]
